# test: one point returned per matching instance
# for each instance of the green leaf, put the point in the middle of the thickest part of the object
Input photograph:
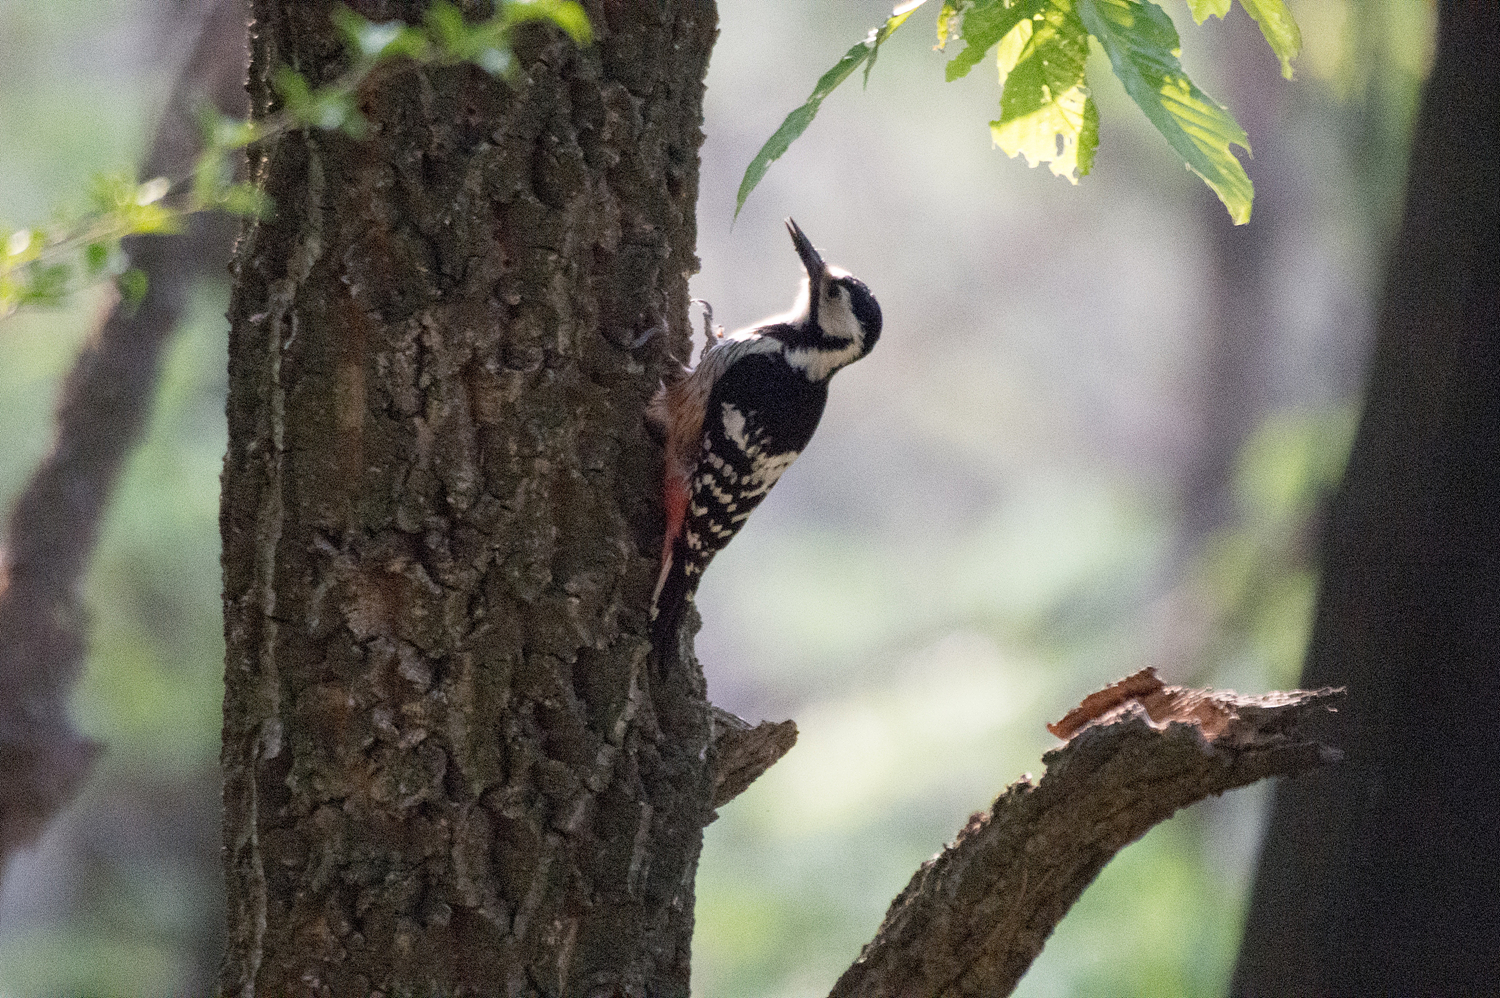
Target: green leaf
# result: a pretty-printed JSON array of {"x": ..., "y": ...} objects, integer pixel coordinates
[
  {"x": 148, "y": 219},
  {"x": 1275, "y": 22},
  {"x": 947, "y": 23},
  {"x": 340, "y": 113},
  {"x": 796, "y": 123},
  {"x": 566, "y": 14},
  {"x": 1143, "y": 47},
  {"x": 22, "y": 246},
  {"x": 495, "y": 61},
  {"x": 985, "y": 24},
  {"x": 46, "y": 285},
  {"x": 1204, "y": 9},
  {"x": 96, "y": 258},
  {"x": 879, "y": 35},
  {"x": 292, "y": 87},
  {"x": 245, "y": 199},
  {"x": 152, "y": 190},
  {"x": 327, "y": 107},
  {"x": 383, "y": 40},
  {"x": 446, "y": 27},
  {"x": 1046, "y": 113},
  {"x": 1280, "y": 29},
  {"x": 132, "y": 287},
  {"x": 222, "y": 132},
  {"x": 211, "y": 175},
  {"x": 129, "y": 208},
  {"x": 109, "y": 192}
]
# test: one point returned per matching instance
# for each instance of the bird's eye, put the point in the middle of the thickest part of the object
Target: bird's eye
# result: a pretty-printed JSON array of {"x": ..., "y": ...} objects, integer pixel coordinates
[{"x": 833, "y": 291}]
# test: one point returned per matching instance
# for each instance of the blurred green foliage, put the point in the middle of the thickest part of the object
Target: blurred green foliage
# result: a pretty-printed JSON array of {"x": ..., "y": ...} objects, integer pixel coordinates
[
  {"x": 41, "y": 266},
  {"x": 153, "y": 689}
]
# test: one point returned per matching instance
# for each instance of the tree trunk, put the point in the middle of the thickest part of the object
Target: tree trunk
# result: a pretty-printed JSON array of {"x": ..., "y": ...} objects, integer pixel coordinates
[
  {"x": 449, "y": 767},
  {"x": 1381, "y": 876}
]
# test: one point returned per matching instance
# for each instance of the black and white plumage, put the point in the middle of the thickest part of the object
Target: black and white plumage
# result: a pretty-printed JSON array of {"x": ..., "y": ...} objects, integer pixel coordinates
[{"x": 738, "y": 419}]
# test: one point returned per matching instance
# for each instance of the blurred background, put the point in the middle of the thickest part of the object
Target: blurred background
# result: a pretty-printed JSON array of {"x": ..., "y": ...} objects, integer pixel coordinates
[{"x": 1094, "y": 437}]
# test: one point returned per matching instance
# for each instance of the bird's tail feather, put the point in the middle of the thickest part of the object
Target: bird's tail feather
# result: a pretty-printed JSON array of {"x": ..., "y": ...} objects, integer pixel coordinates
[{"x": 669, "y": 607}]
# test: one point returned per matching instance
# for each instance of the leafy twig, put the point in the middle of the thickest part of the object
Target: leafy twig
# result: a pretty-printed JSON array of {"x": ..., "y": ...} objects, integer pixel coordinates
[
  {"x": 1046, "y": 113},
  {"x": 38, "y": 266}
]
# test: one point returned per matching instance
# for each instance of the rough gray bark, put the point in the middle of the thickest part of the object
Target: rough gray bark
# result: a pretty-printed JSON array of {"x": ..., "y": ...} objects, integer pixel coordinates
[
  {"x": 103, "y": 408},
  {"x": 974, "y": 918},
  {"x": 1381, "y": 877},
  {"x": 449, "y": 767}
]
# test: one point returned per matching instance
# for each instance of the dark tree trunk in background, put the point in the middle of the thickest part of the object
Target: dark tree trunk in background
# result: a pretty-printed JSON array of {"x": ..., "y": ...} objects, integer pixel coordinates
[
  {"x": 49, "y": 537},
  {"x": 1382, "y": 875},
  {"x": 448, "y": 766},
  {"x": 1234, "y": 390}
]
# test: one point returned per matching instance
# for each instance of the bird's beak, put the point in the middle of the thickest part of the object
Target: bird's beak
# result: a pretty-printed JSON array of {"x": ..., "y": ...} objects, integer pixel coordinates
[{"x": 810, "y": 258}]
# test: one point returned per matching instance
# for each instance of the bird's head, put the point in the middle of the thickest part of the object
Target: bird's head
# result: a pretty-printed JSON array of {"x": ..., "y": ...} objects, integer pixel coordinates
[{"x": 836, "y": 318}]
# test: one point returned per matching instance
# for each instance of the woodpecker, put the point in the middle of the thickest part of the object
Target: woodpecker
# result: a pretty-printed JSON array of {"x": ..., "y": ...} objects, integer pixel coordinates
[{"x": 738, "y": 419}]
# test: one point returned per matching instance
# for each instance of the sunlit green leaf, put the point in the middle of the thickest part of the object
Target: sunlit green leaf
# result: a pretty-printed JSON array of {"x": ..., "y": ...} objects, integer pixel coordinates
[
  {"x": 325, "y": 108},
  {"x": 495, "y": 61},
  {"x": 330, "y": 111},
  {"x": 1142, "y": 46},
  {"x": 947, "y": 23},
  {"x": 31, "y": 267},
  {"x": 368, "y": 38},
  {"x": 109, "y": 192},
  {"x": 149, "y": 219},
  {"x": 383, "y": 40},
  {"x": 347, "y": 119},
  {"x": 446, "y": 27},
  {"x": 1204, "y": 9},
  {"x": 1275, "y": 22},
  {"x": 290, "y": 85},
  {"x": 152, "y": 190},
  {"x": 1281, "y": 31},
  {"x": 796, "y": 123},
  {"x": 879, "y": 35},
  {"x": 984, "y": 25},
  {"x": 566, "y": 14},
  {"x": 1046, "y": 113},
  {"x": 245, "y": 199},
  {"x": 23, "y": 245}
]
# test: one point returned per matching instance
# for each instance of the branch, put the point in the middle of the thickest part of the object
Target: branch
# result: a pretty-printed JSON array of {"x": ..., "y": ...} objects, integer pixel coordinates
[
  {"x": 103, "y": 407},
  {"x": 741, "y": 752},
  {"x": 973, "y": 919}
]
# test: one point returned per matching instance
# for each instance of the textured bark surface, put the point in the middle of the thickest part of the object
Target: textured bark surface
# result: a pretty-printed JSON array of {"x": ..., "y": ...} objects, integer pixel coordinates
[
  {"x": 974, "y": 918},
  {"x": 449, "y": 767},
  {"x": 742, "y": 751},
  {"x": 102, "y": 411},
  {"x": 1381, "y": 877}
]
